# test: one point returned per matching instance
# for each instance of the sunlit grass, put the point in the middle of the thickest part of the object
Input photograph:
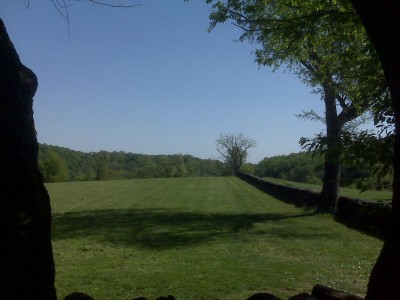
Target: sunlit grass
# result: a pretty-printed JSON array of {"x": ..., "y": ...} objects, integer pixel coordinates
[{"x": 198, "y": 238}]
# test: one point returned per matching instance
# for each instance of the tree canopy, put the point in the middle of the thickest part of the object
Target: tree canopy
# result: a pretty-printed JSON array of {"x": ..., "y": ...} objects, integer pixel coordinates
[{"x": 325, "y": 44}]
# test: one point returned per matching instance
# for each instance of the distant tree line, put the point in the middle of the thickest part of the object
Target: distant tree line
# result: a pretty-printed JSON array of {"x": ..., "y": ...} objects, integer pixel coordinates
[
  {"x": 309, "y": 168},
  {"x": 58, "y": 164},
  {"x": 300, "y": 167}
]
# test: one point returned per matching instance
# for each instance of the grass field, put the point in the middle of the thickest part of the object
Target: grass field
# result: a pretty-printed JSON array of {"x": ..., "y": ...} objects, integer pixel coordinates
[
  {"x": 385, "y": 195},
  {"x": 197, "y": 238}
]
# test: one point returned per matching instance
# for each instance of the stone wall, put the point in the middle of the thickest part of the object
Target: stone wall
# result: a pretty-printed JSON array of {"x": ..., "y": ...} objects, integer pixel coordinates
[
  {"x": 319, "y": 292},
  {"x": 369, "y": 216}
]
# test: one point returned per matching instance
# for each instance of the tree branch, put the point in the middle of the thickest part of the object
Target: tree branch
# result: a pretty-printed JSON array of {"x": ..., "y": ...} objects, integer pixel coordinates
[
  {"x": 62, "y": 8},
  {"x": 112, "y": 5}
]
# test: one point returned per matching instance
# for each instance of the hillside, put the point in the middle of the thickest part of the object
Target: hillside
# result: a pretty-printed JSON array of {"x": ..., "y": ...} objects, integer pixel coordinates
[{"x": 59, "y": 164}]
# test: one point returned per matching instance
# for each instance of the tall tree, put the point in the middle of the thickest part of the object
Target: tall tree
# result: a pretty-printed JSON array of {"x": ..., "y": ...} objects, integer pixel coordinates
[
  {"x": 26, "y": 258},
  {"x": 326, "y": 45},
  {"x": 381, "y": 20},
  {"x": 234, "y": 149}
]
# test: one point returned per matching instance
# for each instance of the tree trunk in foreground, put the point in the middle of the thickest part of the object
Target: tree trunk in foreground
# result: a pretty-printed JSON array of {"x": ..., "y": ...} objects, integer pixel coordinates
[
  {"x": 26, "y": 257},
  {"x": 381, "y": 20},
  {"x": 330, "y": 188}
]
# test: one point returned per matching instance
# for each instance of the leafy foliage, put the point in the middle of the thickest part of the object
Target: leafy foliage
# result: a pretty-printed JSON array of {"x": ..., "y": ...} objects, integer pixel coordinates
[
  {"x": 325, "y": 44},
  {"x": 62, "y": 164},
  {"x": 53, "y": 168},
  {"x": 367, "y": 155},
  {"x": 307, "y": 167},
  {"x": 374, "y": 154},
  {"x": 299, "y": 167}
]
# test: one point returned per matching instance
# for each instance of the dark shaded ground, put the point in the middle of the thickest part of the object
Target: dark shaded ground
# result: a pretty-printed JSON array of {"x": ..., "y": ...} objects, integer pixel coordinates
[{"x": 165, "y": 228}]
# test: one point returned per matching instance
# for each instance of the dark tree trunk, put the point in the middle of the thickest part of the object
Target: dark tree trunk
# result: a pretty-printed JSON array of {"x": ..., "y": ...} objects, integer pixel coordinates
[
  {"x": 330, "y": 188},
  {"x": 382, "y": 22},
  {"x": 26, "y": 258}
]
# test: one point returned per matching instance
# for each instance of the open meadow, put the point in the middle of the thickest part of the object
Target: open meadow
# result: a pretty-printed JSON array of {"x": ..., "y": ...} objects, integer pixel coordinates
[{"x": 198, "y": 238}]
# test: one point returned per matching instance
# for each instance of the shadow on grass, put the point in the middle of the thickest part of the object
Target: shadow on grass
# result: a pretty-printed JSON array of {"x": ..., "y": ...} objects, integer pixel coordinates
[{"x": 165, "y": 229}]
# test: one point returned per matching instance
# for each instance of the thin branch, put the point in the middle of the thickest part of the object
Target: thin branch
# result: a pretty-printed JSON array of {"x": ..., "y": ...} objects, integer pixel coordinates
[
  {"x": 62, "y": 8},
  {"x": 113, "y": 5},
  {"x": 63, "y": 11}
]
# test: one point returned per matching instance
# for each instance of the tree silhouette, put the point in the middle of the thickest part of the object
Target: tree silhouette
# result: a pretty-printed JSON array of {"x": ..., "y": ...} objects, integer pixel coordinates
[
  {"x": 26, "y": 258},
  {"x": 233, "y": 149}
]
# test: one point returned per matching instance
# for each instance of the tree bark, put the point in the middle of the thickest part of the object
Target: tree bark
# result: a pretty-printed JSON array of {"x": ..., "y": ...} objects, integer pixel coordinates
[
  {"x": 381, "y": 20},
  {"x": 330, "y": 188},
  {"x": 26, "y": 257}
]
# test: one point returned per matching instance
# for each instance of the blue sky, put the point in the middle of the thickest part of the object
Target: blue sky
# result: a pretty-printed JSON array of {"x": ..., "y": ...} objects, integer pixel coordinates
[{"x": 152, "y": 80}]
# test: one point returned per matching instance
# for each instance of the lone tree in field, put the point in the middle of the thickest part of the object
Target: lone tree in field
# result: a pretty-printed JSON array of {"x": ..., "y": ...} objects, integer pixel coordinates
[{"x": 233, "y": 149}]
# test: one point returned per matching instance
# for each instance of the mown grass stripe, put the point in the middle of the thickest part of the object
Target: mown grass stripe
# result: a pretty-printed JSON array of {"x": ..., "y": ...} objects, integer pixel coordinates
[{"x": 197, "y": 238}]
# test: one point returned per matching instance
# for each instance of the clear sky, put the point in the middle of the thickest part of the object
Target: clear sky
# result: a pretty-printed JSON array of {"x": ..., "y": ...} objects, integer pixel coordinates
[{"x": 151, "y": 79}]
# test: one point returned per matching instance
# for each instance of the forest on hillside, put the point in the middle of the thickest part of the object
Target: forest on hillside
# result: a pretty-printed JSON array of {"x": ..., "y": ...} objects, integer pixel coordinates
[
  {"x": 308, "y": 167},
  {"x": 59, "y": 164}
]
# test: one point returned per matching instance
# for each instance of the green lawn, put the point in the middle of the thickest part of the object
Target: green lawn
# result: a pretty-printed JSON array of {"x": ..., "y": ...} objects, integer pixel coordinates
[
  {"x": 197, "y": 238},
  {"x": 344, "y": 191}
]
